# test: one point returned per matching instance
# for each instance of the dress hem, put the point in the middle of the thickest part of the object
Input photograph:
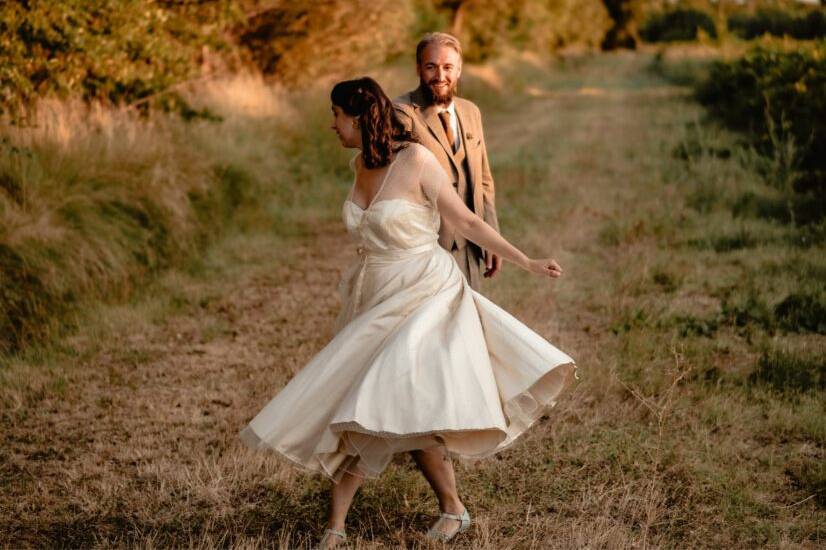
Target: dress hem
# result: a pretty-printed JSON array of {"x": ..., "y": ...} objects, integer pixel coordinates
[{"x": 523, "y": 423}]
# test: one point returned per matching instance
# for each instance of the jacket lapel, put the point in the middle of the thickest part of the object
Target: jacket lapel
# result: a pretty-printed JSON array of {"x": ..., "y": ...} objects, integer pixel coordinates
[
  {"x": 467, "y": 127},
  {"x": 464, "y": 120},
  {"x": 431, "y": 118}
]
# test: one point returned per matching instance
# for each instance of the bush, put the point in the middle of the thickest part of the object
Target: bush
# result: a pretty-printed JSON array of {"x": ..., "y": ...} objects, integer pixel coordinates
[
  {"x": 787, "y": 371},
  {"x": 804, "y": 209},
  {"x": 800, "y": 312},
  {"x": 301, "y": 42},
  {"x": 778, "y": 98},
  {"x": 123, "y": 52},
  {"x": 492, "y": 26},
  {"x": 114, "y": 52},
  {"x": 680, "y": 24},
  {"x": 127, "y": 52},
  {"x": 779, "y": 23}
]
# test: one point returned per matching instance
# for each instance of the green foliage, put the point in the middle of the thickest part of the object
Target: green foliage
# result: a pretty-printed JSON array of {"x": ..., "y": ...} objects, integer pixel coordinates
[
  {"x": 802, "y": 311},
  {"x": 491, "y": 26},
  {"x": 96, "y": 202},
  {"x": 783, "y": 370},
  {"x": 679, "y": 24},
  {"x": 101, "y": 211},
  {"x": 688, "y": 325},
  {"x": 301, "y": 42},
  {"x": 804, "y": 209},
  {"x": 809, "y": 476},
  {"x": 747, "y": 309},
  {"x": 115, "y": 51},
  {"x": 428, "y": 18},
  {"x": 779, "y": 99},
  {"x": 808, "y": 26},
  {"x": 138, "y": 51}
]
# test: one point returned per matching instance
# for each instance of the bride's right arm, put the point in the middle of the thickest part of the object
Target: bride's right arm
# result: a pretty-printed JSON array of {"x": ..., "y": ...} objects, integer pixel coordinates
[{"x": 436, "y": 187}]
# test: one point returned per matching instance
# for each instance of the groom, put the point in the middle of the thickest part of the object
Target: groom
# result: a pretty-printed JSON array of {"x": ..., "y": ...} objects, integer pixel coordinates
[{"x": 451, "y": 127}]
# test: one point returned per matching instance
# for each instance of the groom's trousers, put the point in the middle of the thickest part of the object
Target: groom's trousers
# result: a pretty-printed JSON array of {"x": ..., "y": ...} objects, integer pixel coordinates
[{"x": 468, "y": 259}]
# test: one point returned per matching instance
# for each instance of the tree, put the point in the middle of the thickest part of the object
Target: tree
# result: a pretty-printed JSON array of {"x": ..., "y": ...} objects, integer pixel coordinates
[{"x": 624, "y": 33}]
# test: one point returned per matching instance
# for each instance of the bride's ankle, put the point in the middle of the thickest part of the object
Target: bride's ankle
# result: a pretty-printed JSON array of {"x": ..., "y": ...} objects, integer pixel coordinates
[
  {"x": 338, "y": 526},
  {"x": 452, "y": 506}
]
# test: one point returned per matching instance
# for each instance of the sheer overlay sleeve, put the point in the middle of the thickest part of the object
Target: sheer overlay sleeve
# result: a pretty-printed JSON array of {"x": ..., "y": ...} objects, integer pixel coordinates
[{"x": 432, "y": 176}]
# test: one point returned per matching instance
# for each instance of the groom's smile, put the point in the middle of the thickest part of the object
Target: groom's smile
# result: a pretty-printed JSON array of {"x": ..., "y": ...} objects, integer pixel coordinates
[{"x": 439, "y": 70}]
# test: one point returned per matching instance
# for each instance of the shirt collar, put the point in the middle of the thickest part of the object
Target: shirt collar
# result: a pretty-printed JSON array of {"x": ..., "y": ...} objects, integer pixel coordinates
[{"x": 450, "y": 108}]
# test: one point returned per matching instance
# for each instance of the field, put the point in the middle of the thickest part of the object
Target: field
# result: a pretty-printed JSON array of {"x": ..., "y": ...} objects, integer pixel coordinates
[{"x": 693, "y": 307}]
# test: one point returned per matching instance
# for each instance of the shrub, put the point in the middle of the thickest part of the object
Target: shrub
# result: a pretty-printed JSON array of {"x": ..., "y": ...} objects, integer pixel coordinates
[
  {"x": 747, "y": 309},
  {"x": 779, "y": 23},
  {"x": 303, "y": 41},
  {"x": 787, "y": 371},
  {"x": 679, "y": 24},
  {"x": 492, "y": 26},
  {"x": 779, "y": 99},
  {"x": 126, "y": 52},
  {"x": 114, "y": 52},
  {"x": 805, "y": 209},
  {"x": 801, "y": 311},
  {"x": 809, "y": 475},
  {"x": 123, "y": 52}
]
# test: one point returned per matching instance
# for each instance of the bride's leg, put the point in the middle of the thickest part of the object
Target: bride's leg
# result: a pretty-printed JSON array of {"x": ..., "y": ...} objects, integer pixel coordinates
[
  {"x": 437, "y": 468},
  {"x": 341, "y": 497}
]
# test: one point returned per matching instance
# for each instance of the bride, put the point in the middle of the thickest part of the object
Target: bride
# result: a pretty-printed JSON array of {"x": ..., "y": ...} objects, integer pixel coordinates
[{"x": 420, "y": 362}]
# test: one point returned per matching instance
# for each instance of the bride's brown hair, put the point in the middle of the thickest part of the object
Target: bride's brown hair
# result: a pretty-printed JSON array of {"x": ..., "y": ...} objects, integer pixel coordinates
[{"x": 378, "y": 120}]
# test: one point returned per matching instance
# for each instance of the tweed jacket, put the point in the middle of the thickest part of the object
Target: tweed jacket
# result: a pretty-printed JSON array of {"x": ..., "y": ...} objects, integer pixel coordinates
[{"x": 424, "y": 121}]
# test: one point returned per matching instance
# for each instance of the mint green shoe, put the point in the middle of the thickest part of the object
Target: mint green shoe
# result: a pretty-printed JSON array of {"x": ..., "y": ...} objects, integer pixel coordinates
[
  {"x": 328, "y": 533},
  {"x": 464, "y": 523}
]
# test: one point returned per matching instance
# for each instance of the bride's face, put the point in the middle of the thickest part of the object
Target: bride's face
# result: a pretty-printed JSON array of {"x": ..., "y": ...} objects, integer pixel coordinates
[{"x": 345, "y": 128}]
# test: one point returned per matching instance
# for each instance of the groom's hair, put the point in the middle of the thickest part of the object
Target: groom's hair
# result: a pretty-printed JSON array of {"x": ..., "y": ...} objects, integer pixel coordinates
[
  {"x": 382, "y": 131},
  {"x": 440, "y": 38}
]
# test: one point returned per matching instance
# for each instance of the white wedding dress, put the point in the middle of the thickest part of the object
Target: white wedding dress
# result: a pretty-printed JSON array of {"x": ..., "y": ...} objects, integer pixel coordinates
[{"x": 419, "y": 358}]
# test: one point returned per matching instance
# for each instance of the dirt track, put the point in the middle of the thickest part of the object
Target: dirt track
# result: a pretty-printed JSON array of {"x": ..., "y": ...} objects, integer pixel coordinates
[{"x": 151, "y": 414}]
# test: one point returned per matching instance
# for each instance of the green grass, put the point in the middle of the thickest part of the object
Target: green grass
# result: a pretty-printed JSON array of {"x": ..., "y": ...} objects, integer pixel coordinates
[
  {"x": 94, "y": 204},
  {"x": 788, "y": 371}
]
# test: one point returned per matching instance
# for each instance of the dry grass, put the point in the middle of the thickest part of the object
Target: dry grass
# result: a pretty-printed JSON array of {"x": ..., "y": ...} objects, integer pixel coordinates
[
  {"x": 95, "y": 202},
  {"x": 125, "y": 433}
]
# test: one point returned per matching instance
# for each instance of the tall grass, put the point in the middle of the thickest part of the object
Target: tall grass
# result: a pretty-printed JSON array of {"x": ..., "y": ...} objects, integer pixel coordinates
[{"x": 95, "y": 201}]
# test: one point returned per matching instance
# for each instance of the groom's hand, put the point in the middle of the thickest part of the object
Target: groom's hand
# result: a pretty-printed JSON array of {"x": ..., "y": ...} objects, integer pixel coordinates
[{"x": 493, "y": 264}]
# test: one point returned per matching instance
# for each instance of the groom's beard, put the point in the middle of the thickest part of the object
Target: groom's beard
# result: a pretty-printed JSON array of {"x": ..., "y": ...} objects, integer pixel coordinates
[{"x": 433, "y": 97}]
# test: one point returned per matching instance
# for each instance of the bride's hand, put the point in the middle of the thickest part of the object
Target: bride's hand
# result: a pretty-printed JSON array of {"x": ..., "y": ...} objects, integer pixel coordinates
[{"x": 547, "y": 267}]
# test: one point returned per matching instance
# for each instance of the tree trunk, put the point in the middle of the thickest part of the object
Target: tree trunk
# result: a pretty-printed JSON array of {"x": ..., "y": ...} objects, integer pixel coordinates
[{"x": 458, "y": 18}]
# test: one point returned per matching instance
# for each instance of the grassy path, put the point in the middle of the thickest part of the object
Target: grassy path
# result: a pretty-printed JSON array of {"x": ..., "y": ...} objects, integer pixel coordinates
[{"x": 126, "y": 433}]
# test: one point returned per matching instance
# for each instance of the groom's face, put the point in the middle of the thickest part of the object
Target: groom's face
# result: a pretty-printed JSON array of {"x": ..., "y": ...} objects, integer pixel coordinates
[{"x": 439, "y": 72}]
